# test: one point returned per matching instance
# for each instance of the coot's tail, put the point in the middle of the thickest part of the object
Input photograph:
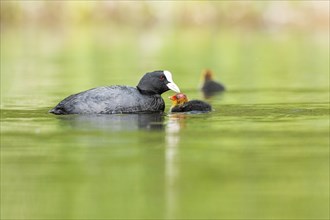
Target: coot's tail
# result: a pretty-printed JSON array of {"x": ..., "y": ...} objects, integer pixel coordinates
[{"x": 58, "y": 111}]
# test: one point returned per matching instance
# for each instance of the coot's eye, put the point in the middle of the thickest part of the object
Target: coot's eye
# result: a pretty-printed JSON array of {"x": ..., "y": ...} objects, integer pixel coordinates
[{"x": 162, "y": 77}]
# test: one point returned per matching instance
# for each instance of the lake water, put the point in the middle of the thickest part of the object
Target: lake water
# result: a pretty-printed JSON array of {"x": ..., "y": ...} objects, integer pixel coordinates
[{"x": 263, "y": 153}]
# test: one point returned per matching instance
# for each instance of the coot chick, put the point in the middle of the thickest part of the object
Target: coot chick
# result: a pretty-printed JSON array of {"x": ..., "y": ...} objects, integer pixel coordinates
[
  {"x": 211, "y": 87},
  {"x": 121, "y": 99},
  {"x": 180, "y": 103}
]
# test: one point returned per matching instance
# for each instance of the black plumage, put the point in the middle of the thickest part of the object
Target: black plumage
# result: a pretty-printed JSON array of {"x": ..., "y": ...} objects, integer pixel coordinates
[
  {"x": 121, "y": 99},
  {"x": 211, "y": 87},
  {"x": 193, "y": 105}
]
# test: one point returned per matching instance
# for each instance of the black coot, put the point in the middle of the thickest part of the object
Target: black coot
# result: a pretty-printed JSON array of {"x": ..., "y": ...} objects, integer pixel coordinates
[
  {"x": 121, "y": 99},
  {"x": 211, "y": 87},
  {"x": 180, "y": 103}
]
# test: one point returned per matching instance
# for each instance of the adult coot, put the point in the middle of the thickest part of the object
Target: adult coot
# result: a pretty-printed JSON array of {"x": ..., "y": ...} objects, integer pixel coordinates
[
  {"x": 121, "y": 99},
  {"x": 211, "y": 87},
  {"x": 180, "y": 103}
]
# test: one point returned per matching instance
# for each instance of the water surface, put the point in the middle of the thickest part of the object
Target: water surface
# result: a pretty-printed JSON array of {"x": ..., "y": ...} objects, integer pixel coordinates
[{"x": 263, "y": 153}]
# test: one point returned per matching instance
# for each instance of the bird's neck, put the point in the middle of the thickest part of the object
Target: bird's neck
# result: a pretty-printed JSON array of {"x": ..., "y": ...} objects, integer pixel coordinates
[{"x": 145, "y": 92}]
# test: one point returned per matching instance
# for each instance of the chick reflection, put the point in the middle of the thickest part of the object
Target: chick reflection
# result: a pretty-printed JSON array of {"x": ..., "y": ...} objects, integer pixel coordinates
[
  {"x": 175, "y": 124},
  {"x": 115, "y": 122}
]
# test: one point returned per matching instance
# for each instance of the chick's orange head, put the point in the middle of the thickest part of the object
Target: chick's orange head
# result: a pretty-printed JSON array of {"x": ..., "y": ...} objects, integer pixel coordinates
[
  {"x": 208, "y": 75},
  {"x": 179, "y": 98}
]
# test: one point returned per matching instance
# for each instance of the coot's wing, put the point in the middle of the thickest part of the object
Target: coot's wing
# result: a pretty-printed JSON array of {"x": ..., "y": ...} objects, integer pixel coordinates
[
  {"x": 109, "y": 100},
  {"x": 91, "y": 101}
]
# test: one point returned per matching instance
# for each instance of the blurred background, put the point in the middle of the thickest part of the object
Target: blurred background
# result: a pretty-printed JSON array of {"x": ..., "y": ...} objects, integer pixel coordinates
[
  {"x": 75, "y": 45},
  {"x": 263, "y": 153}
]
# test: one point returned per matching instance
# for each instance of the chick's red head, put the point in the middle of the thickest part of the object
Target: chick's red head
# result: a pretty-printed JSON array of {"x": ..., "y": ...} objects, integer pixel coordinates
[{"x": 178, "y": 99}]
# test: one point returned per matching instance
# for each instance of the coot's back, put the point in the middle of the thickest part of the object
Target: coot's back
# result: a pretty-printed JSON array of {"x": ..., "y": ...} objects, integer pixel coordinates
[{"x": 109, "y": 100}]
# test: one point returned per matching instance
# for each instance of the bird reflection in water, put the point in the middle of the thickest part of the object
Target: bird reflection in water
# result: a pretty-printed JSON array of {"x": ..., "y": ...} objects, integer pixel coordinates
[
  {"x": 115, "y": 122},
  {"x": 175, "y": 123}
]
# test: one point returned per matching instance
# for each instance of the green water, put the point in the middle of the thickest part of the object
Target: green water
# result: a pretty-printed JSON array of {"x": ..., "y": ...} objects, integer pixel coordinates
[{"x": 263, "y": 153}]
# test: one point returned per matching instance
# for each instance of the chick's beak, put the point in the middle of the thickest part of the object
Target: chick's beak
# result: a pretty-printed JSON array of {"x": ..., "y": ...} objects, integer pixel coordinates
[
  {"x": 172, "y": 97},
  {"x": 173, "y": 86}
]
